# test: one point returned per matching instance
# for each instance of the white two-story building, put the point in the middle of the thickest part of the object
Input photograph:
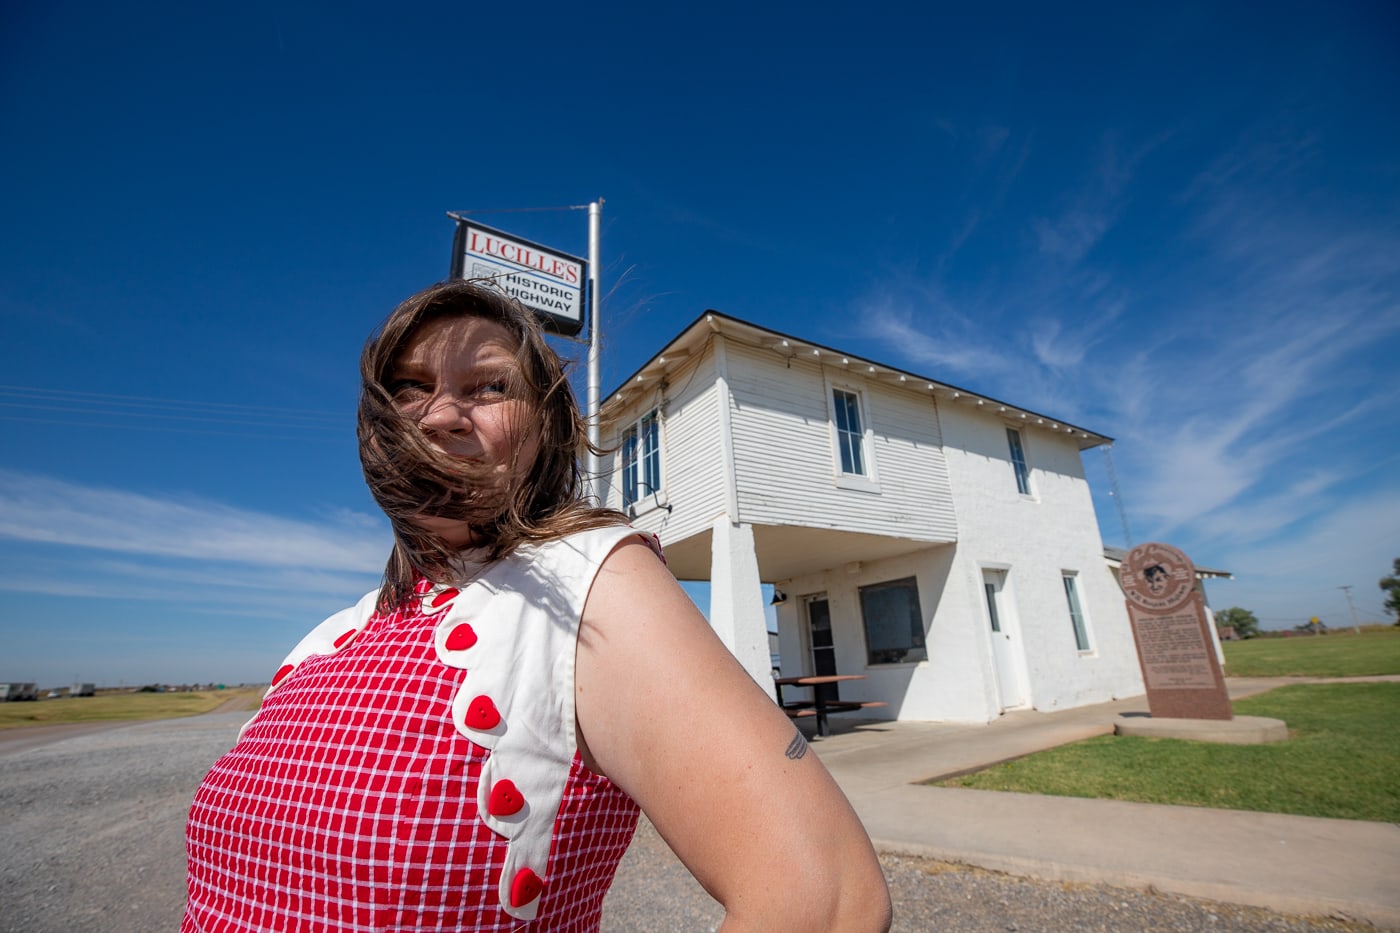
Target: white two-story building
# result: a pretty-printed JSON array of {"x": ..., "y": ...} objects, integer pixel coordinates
[{"x": 939, "y": 542}]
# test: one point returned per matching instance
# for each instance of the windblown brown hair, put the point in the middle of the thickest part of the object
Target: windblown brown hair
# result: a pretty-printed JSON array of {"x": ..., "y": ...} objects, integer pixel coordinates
[{"x": 411, "y": 478}]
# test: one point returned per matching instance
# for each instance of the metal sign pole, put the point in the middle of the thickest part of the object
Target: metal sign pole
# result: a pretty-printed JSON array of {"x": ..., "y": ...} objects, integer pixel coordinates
[
  {"x": 546, "y": 282},
  {"x": 595, "y": 212}
]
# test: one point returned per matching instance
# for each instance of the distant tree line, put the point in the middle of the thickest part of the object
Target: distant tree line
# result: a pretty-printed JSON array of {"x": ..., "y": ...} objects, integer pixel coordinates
[{"x": 1244, "y": 622}]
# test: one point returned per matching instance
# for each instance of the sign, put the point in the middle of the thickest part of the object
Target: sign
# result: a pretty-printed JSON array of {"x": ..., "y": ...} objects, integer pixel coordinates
[
  {"x": 546, "y": 281},
  {"x": 1179, "y": 667}
]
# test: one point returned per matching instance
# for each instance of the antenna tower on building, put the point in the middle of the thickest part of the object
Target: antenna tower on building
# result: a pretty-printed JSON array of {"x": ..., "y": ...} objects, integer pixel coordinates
[{"x": 1116, "y": 494}]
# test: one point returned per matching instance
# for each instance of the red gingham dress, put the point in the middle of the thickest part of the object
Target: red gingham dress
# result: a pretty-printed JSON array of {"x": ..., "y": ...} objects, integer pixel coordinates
[{"x": 352, "y": 801}]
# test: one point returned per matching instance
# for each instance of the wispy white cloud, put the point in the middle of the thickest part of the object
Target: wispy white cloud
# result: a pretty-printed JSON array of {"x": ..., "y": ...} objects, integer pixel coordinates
[
  {"x": 1072, "y": 234},
  {"x": 960, "y": 237},
  {"x": 1226, "y": 417},
  {"x": 938, "y": 341},
  {"x": 1293, "y": 577},
  {"x": 995, "y": 156},
  {"x": 300, "y": 606},
  {"x": 984, "y": 141},
  {"x": 1243, "y": 522},
  {"x": 1264, "y": 353},
  {"x": 113, "y": 548},
  {"x": 1240, "y": 416},
  {"x": 190, "y": 582},
  {"x": 1250, "y": 387},
  {"x": 1271, "y": 150},
  {"x": 1063, "y": 345},
  {"x": 50, "y": 511},
  {"x": 1088, "y": 213}
]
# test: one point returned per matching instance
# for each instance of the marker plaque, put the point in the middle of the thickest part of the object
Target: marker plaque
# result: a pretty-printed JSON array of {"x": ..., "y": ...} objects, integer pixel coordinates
[{"x": 1175, "y": 650}]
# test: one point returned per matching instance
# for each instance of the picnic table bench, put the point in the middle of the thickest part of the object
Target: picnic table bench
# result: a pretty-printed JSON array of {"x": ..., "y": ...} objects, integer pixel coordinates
[{"x": 820, "y": 706}]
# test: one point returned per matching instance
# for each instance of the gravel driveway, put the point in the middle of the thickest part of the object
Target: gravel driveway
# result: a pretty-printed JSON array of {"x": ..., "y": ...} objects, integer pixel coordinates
[{"x": 93, "y": 832}]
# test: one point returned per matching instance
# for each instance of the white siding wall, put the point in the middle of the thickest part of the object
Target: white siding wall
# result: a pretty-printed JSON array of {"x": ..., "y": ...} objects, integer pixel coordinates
[
  {"x": 1036, "y": 539},
  {"x": 692, "y": 471},
  {"x": 943, "y": 475},
  {"x": 784, "y": 455}
]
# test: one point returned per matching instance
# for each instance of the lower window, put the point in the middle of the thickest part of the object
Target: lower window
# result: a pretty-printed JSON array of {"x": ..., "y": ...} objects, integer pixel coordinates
[
  {"x": 894, "y": 624},
  {"x": 1076, "y": 614}
]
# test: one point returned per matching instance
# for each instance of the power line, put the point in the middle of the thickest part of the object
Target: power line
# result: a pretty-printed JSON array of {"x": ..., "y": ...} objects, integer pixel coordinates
[
  {"x": 73, "y": 408},
  {"x": 146, "y": 401},
  {"x": 281, "y": 420},
  {"x": 516, "y": 210},
  {"x": 322, "y": 436}
]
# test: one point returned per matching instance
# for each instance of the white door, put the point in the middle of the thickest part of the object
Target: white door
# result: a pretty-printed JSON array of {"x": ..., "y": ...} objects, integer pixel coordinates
[{"x": 1005, "y": 650}]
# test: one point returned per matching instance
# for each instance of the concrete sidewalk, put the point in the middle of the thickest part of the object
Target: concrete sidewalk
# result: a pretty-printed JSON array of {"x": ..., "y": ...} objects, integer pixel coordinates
[{"x": 1290, "y": 864}]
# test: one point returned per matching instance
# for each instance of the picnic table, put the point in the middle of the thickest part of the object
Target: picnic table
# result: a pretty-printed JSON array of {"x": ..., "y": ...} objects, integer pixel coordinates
[{"x": 819, "y": 705}]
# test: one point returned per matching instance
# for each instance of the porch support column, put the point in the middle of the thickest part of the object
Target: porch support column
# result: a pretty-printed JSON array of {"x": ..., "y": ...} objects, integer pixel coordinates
[{"x": 736, "y": 599}]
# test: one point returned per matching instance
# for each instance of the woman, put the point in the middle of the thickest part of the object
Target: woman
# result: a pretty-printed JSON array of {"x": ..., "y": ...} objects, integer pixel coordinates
[{"x": 467, "y": 747}]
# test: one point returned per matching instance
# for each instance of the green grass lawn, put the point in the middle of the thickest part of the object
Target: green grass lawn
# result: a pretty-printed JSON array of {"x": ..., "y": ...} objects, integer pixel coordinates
[
  {"x": 116, "y": 706},
  {"x": 1342, "y": 760},
  {"x": 1340, "y": 654}
]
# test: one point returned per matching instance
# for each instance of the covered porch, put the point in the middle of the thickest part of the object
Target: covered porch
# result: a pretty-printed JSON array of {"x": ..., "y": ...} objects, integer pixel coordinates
[{"x": 738, "y": 558}]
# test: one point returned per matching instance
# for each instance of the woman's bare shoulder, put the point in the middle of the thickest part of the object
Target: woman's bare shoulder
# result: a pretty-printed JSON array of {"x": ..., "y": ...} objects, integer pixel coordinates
[{"x": 668, "y": 714}]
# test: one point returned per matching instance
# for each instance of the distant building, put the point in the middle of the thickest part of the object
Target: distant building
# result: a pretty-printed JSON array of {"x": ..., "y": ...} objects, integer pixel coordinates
[
  {"x": 19, "y": 690},
  {"x": 939, "y": 542}
]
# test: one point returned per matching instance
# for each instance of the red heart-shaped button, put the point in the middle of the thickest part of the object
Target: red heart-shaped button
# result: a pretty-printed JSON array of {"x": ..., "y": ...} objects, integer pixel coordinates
[
  {"x": 461, "y": 638},
  {"x": 346, "y": 638},
  {"x": 446, "y": 596},
  {"x": 525, "y": 887},
  {"x": 482, "y": 714},
  {"x": 282, "y": 672},
  {"x": 506, "y": 799}
]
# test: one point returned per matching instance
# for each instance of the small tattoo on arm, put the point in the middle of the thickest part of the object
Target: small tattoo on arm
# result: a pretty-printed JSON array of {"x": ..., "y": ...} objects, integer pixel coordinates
[{"x": 797, "y": 747}]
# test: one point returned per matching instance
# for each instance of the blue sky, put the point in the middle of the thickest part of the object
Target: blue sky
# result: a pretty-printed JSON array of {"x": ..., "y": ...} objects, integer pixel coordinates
[{"x": 1178, "y": 225}]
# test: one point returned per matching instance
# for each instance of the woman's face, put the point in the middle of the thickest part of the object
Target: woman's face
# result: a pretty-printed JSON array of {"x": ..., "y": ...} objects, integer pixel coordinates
[{"x": 453, "y": 378}]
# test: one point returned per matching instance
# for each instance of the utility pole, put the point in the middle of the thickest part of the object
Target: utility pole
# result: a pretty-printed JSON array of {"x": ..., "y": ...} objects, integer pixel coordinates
[
  {"x": 594, "y": 297},
  {"x": 1356, "y": 624},
  {"x": 595, "y": 350}
]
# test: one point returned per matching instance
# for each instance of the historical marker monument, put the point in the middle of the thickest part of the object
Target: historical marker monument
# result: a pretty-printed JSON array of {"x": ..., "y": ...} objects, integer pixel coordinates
[{"x": 1174, "y": 646}]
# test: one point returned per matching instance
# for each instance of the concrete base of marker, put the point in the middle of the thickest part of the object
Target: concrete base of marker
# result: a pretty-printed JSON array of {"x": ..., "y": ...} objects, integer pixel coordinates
[{"x": 1242, "y": 730}]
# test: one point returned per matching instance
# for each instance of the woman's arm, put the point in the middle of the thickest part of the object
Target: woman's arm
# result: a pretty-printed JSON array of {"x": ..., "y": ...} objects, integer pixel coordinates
[{"x": 667, "y": 713}]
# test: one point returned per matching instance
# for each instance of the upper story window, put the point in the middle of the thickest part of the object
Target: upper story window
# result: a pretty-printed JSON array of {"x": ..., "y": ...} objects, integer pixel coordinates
[
  {"x": 641, "y": 459},
  {"x": 1018, "y": 461},
  {"x": 850, "y": 431},
  {"x": 852, "y": 442}
]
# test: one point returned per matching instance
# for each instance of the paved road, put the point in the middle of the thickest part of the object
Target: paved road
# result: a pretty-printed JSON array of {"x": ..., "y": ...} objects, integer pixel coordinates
[{"x": 93, "y": 840}]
